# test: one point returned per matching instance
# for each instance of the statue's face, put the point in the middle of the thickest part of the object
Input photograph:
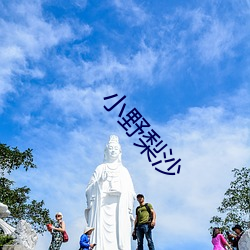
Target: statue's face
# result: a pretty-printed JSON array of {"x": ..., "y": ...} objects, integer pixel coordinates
[{"x": 113, "y": 150}]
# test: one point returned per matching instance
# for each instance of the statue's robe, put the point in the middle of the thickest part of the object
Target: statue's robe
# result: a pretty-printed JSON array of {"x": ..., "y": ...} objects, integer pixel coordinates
[
  {"x": 244, "y": 242},
  {"x": 110, "y": 197}
]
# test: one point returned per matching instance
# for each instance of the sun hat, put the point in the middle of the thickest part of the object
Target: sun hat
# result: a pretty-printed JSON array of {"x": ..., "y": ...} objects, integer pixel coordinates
[
  {"x": 87, "y": 229},
  {"x": 59, "y": 213}
]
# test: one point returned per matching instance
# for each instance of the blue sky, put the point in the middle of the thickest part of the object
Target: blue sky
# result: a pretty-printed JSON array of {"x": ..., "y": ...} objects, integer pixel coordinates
[{"x": 183, "y": 64}]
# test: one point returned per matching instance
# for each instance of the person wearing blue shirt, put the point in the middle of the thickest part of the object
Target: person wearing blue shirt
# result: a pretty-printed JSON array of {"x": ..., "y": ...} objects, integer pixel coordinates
[{"x": 84, "y": 240}]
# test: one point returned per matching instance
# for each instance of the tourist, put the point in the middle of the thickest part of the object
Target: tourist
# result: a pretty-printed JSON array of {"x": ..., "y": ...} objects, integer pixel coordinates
[
  {"x": 144, "y": 223},
  {"x": 239, "y": 231},
  {"x": 85, "y": 239},
  {"x": 218, "y": 240},
  {"x": 110, "y": 198},
  {"x": 56, "y": 231},
  {"x": 231, "y": 240}
]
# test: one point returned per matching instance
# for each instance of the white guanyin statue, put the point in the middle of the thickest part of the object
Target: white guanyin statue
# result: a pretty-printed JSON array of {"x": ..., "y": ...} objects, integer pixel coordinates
[
  {"x": 23, "y": 234},
  {"x": 110, "y": 197},
  {"x": 4, "y": 212},
  {"x": 244, "y": 242}
]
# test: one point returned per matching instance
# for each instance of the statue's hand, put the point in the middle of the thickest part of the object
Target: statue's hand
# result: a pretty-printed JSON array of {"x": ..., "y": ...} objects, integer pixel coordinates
[{"x": 132, "y": 217}]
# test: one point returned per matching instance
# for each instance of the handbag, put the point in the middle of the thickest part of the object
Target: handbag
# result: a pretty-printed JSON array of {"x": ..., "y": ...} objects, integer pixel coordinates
[
  {"x": 49, "y": 227},
  {"x": 65, "y": 236}
]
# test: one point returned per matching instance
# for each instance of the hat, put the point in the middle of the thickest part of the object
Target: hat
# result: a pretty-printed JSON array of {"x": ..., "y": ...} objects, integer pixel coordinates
[
  {"x": 87, "y": 229},
  {"x": 59, "y": 213},
  {"x": 237, "y": 227}
]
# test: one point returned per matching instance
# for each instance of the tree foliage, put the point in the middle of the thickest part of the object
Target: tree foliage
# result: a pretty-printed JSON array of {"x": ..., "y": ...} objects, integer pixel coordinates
[
  {"x": 17, "y": 199},
  {"x": 11, "y": 159},
  {"x": 235, "y": 206},
  {"x": 6, "y": 240}
]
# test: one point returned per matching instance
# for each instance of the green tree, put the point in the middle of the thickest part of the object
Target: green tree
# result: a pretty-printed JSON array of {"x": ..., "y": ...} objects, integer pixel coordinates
[
  {"x": 17, "y": 199},
  {"x": 235, "y": 206}
]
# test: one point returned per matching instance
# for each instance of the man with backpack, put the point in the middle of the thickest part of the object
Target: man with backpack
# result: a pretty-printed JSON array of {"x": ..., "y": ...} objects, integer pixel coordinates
[{"x": 144, "y": 223}]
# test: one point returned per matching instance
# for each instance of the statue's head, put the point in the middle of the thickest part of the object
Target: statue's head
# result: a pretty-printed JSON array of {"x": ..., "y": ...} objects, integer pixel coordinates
[
  {"x": 4, "y": 211},
  {"x": 113, "y": 150}
]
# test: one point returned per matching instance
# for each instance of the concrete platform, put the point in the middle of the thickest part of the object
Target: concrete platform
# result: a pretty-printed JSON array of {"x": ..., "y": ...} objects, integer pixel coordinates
[{"x": 13, "y": 247}]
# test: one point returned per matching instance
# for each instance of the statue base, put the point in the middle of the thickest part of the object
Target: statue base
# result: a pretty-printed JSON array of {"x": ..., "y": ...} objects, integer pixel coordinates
[{"x": 12, "y": 247}]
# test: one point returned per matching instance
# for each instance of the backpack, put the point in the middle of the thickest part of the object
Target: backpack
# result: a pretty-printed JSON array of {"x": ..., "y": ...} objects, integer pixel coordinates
[{"x": 149, "y": 212}]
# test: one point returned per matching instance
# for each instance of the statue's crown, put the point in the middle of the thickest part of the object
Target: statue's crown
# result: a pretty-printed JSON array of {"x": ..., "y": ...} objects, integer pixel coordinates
[{"x": 113, "y": 138}]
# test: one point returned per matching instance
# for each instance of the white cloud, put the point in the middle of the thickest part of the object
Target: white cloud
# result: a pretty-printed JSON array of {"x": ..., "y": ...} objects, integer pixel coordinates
[
  {"x": 131, "y": 12},
  {"x": 25, "y": 35},
  {"x": 105, "y": 69},
  {"x": 217, "y": 42},
  {"x": 32, "y": 33},
  {"x": 143, "y": 63},
  {"x": 80, "y": 3},
  {"x": 198, "y": 19},
  {"x": 82, "y": 102},
  {"x": 199, "y": 33},
  {"x": 10, "y": 58},
  {"x": 240, "y": 101},
  {"x": 124, "y": 71}
]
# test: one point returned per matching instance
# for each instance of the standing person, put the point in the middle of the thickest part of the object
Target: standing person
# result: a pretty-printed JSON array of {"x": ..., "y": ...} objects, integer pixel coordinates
[
  {"x": 142, "y": 225},
  {"x": 85, "y": 239},
  {"x": 110, "y": 198},
  {"x": 56, "y": 231},
  {"x": 239, "y": 231},
  {"x": 218, "y": 240},
  {"x": 231, "y": 240}
]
